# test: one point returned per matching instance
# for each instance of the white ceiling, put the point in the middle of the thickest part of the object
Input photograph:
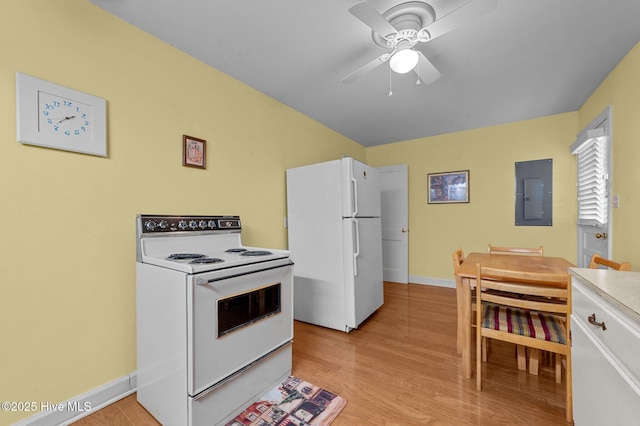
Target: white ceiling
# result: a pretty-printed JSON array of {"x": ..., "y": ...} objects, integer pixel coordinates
[{"x": 527, "y": 59}]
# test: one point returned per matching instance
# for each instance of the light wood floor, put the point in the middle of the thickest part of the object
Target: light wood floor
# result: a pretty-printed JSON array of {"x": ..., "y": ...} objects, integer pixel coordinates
[{"x": 401, "y": 368}]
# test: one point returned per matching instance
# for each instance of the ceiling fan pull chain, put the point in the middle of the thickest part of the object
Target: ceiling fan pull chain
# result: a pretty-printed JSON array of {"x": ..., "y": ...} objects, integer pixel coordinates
[
  {"x": 390, "y": 91},
  {"x": 418, "y": 82}
]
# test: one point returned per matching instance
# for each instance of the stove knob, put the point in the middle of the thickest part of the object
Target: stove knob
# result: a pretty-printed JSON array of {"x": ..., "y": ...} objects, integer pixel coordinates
[
  {"x": 163, "y": 224},
  {"x": 212, "y": 224},
  {"x": 150, "y": 225},
  {"x": 193, "y": 224},
  {"x": 182, "y": 224},
  {"x": 202, "y": 224}
]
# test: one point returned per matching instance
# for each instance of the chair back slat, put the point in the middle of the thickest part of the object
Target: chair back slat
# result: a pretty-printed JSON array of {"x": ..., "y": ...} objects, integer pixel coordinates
[
  {"x": 506, "y": 275},
  {"x": 539, "y": 251},
  {"x": 531, "y": 305},
  {"x": 597, "y": 260},
  {"x": 547, "y": 289}
]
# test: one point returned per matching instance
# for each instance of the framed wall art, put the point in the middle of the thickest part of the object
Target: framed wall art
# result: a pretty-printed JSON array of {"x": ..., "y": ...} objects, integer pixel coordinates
[
  {"x": 448, "y": 187},
  {"x": 194, "y": 152}
]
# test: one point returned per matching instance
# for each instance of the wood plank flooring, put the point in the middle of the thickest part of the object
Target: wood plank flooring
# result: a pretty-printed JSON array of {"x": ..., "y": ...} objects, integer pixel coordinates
[{"x": 401, "y": 368}]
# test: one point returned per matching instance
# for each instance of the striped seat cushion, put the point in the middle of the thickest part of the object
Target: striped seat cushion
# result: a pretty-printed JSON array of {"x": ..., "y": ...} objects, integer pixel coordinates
[{"x": 525, "y": 323}]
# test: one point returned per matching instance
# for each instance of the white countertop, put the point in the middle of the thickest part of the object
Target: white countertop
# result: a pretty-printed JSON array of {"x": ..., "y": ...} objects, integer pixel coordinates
[{"x": 621, "y": 289}]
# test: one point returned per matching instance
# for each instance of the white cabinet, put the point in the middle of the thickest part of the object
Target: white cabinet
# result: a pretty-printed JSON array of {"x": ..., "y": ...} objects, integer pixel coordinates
[{"x": 605, "y": 360}]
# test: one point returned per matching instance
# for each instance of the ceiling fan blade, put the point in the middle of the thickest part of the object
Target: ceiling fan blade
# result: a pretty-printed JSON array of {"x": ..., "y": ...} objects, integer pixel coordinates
[
  {"x": 463, "y": 15},
  {"x": 426, "y": 70},
  {"x": 366, "y": 68},
  {"x": 367, "y": 14}
]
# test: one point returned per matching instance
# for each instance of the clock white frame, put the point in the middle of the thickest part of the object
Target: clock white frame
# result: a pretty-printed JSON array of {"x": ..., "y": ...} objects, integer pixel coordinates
[{"x": 28, "y": 113}]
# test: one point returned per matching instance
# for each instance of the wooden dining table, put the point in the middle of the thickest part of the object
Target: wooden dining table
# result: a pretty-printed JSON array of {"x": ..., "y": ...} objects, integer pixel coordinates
[{"x": 467, "y": 274}]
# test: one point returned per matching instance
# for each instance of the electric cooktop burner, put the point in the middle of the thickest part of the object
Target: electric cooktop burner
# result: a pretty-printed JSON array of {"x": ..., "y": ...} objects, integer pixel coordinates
[
  {"x": 255, "y": 253},
  {"x": 204, "y": 260},
  {"x": 236, "y": 250},
  {"x": 184, "y": 256}
]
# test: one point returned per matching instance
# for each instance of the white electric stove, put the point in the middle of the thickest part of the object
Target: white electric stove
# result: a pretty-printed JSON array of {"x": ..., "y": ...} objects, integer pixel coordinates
[{"x": 214, "y": 318}]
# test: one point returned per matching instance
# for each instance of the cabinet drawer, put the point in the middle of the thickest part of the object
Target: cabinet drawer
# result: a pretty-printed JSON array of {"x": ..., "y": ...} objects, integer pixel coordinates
[
  {"x": 602, "y": 394},
  {"x": 621, "y": 338}
]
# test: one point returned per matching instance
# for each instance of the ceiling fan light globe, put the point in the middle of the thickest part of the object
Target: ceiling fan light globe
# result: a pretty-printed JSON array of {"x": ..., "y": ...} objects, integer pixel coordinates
[{"x": 404, "y": 61}]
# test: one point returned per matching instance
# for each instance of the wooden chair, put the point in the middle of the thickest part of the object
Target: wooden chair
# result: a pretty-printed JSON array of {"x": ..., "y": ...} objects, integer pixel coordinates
[
  {"x": 520, "y": 350},
  {"x": 547, "y": 306},
  {"x": 597, "y": 260},
  {"x": 458, "y": 257},
  {"x": 516, "y": 250}
]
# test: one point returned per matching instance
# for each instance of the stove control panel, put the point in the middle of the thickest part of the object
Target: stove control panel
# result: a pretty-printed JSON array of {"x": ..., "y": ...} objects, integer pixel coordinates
[{"x": 159, "y": 224}]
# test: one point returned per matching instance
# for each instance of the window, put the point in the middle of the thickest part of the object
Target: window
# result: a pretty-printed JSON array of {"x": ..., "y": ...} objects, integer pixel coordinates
[{"x": 592, "y": 178}]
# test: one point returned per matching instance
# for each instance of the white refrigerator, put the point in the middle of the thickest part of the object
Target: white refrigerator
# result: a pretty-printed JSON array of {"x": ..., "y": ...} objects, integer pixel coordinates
[{"x": 335, "y": 239}]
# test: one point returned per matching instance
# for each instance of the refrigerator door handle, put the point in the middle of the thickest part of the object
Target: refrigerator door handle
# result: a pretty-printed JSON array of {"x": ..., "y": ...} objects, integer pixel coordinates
[
  {"x": 357, "y": 248},
  {"x": 355, "y": 194}
]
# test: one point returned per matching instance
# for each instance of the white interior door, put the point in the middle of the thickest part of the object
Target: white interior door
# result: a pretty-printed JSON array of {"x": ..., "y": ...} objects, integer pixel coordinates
[
  {"x": 394, "y": 197},
  {"x": 595, "y": 237}
]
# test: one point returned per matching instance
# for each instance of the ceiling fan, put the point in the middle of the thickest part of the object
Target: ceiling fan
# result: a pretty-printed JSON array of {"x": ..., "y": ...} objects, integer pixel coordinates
[{"x": 403, "y": 27}]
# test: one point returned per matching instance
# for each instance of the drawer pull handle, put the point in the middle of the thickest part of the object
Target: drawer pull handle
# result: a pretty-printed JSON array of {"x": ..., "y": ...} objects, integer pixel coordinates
[{"x": 592, "y": 320}]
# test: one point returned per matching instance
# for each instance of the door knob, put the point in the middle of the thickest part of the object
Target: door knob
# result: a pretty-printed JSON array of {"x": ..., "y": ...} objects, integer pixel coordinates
[
  {"x": 603, "y": 235},
  {"x": 404, "y": 230}
]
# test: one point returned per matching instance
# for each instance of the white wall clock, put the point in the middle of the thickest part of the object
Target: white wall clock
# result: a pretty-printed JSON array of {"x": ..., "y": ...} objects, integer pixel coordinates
[{"x": 58, "y": 117}]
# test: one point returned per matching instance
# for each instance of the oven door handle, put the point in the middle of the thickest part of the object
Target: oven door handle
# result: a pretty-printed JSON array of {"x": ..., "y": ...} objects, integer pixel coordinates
[{"x": 204, "y": 281}]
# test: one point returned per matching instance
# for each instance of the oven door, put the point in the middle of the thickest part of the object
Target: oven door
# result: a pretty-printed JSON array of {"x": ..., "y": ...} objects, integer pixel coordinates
[{"x": 235, "y": 317}]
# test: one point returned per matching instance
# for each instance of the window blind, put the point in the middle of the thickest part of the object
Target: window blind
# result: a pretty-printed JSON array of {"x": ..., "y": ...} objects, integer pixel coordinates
[{"x": 593, "y": 179}]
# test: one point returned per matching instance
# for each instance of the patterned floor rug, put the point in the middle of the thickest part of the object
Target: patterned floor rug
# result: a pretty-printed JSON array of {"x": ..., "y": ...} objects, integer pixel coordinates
[{"x": 293, "y": 402}]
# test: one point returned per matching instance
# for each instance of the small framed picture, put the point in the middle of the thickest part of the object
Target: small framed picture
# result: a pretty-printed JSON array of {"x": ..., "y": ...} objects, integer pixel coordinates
[
  {"x": 448, "y": 187},
  {"x": 194, "y": 152}
]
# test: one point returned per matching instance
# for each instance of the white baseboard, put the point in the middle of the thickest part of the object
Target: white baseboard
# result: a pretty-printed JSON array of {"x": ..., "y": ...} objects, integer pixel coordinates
[
  {"x": 437, "y": 282},
  {"x": 64, "y": 413}
]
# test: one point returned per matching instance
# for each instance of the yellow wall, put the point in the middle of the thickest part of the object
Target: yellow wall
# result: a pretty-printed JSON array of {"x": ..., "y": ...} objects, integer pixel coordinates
[
  {"x": 67, "y": 268},
  {"x": 621, "y": 90},
  {"x": 490, "y": 154}
]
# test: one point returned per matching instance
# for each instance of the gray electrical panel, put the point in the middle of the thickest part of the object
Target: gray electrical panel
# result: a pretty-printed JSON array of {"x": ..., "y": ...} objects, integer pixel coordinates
[{"x": 534, "y": 193}]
